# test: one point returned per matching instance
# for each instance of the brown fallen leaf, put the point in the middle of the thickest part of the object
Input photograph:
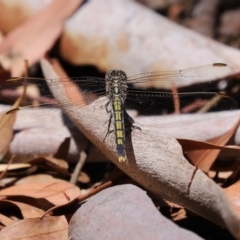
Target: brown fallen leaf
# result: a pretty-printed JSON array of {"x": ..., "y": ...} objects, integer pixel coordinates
[
  {"x": 83, "y": 178},
  {"x": 25, "y": 9},
  {"x": 204, "y": 159},
  {"x": 27, "y": 210},
  {"x": 233, "y": 194},
  {"x": 58, "y": 193},
  {"x": 6, "y": 134},
  {"x": 62, "y": 152},
  {"x": 58, "y": 165},
  {"x": 54, "y": 228},
  {"x": 13, "y": 166},
  {"x": 22, "y": 43},
  {"x": 6, "y": 126},
  {"x": 5, "y": 220},
  {"x": 154, "y": 161},
  {"x": 159, "y": 45},
  {"x": 39, "y": 178}
]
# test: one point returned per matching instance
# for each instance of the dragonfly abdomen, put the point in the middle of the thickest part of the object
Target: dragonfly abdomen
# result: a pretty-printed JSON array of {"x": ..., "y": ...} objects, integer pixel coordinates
[{"x": 118, "y": 110}]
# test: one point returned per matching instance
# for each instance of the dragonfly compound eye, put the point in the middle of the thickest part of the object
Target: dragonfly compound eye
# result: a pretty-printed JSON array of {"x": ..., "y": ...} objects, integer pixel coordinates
[{"x": 116, "y": 74}]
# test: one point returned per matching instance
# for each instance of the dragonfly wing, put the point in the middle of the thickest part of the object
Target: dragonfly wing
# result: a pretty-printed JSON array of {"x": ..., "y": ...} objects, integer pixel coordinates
[
  {"x": 173, "y": 106},
  {"x": 41, "y": 119},
  {"x": 203, "y": 76},
  {"x": 41, "y": 111}
]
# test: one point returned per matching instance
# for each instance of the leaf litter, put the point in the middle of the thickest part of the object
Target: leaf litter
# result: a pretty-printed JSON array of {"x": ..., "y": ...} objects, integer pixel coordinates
[{"x": 39, "y": 194}]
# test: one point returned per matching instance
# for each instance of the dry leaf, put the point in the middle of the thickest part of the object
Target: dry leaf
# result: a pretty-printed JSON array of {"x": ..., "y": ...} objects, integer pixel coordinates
[
  {"x": 28, "y": 211},
  {"x": 139, "y": 40},
  {"x": 54, "y": 228},
  {"x": 83, "y": 178},
  {"x": 24, "y": 10},
  {"x": 6, "y": 134},
  {"x": 6, "y": 126},
  {"x": 39, "y": 178},
  {"x": 59, "y": 193},
  {"x": 156, "y": 162},
  {"x": 49, "y": 162},
  {"x": 22, "y": 43},
  {"x": 233, "y": 193},
  {"x": 14, "y": 166},
  {"x": 204, "y": 159},
  {"x": 5, "y": 220}
]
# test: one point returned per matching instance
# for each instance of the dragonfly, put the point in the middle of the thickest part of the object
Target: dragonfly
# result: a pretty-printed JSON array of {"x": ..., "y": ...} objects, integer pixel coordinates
[{"x": 120, "y": 94}]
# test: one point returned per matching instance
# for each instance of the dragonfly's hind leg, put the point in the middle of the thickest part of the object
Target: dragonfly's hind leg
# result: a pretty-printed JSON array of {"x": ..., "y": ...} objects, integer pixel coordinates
[{"x": 131, "y": 122}]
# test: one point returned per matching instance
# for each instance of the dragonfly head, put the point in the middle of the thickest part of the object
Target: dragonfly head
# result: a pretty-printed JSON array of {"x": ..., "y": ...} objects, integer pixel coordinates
[{"x": 116, "y": 75}]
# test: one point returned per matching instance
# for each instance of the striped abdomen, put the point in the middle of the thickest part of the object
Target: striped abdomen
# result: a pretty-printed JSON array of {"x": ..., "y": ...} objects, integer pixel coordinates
[{"x": 118, "y": 115}]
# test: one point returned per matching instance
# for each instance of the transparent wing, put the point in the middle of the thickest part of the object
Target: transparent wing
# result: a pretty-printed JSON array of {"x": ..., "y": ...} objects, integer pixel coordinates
[
  {"x": 40, "y": 110},
  {"x": 203, "y": 77},
  {"x": 174, "y": 106}
]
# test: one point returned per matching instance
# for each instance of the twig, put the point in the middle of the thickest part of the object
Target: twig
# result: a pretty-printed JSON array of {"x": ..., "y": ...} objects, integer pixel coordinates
[{"x": 78, "y": 168}]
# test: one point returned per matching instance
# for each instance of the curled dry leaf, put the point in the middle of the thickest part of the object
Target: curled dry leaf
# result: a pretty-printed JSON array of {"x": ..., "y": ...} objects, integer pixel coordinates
[
  {"x": 27, "y": 210},
  {"x": 55, "y": 228},
  {"x": 57, "y": 193},
  {"x": 204, "y": 158},
  {"x": 59, "y": 164},
  {"x": 139, "y": 40},
  {"x": 156, "y": 162},
  {"x": 49, "y": 162}
]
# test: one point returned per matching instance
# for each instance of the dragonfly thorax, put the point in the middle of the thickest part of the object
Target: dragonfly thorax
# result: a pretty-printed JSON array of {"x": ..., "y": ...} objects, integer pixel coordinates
[{"x": 116, "y": 83}]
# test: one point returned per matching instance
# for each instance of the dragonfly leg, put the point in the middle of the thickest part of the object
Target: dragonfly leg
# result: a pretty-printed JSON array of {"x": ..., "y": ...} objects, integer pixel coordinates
[
  {"x": 136, "y": 127},
  {"x": 106, "y": 107},
  {"x": 131, "y": 122},
  {"x": 109, "y": 124}
]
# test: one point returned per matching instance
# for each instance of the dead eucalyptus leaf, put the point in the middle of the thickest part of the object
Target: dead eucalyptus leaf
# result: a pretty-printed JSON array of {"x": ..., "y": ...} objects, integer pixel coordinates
[
  {"x": 204, "y": 159},
  {"x": 156, "y": 162},
  {"x": 55, "y": 228},
  {"x": 39, "y": 178},
  {"x": 14, "y": 166},
  {"x": 139, "y": 40},
  {"x": 24, "y": 8},
  {"x": 27, "y": 210},
  {"x": 49, "y": 162},
  {"x": 57, "y": 193},
  {"x": 233, "y": 193},
  {"x": 21, "y": 43},
  {"x": 6, "y": 134},
  {"x": 5, "y": 220}
]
